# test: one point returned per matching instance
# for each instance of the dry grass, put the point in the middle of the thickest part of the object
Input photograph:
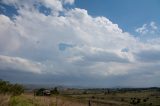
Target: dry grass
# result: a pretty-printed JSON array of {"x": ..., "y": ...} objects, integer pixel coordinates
[
  {"x": 63, "y": 101},
  {"x": 56, "y": 101},
  {"x": 30, "y": 100},
  {"x": 78, "y": 100},
  {"x": 4, "y": 100}
]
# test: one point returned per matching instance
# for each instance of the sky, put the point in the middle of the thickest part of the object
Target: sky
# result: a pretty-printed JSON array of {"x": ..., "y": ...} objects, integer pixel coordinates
[
  {"x": 128, "y": 14},
  {"x": 88, "y": 43}
]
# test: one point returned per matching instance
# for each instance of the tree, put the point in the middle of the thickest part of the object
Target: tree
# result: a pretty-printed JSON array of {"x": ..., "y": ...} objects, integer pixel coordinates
[
  {"x": 55, "y": 91},
  {"x": 7, "y": 88},
  {"x": 39, "y": 92}
]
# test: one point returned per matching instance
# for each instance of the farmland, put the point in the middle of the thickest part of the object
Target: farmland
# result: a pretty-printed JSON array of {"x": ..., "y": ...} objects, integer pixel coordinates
[{"x": 87, "y": 97}]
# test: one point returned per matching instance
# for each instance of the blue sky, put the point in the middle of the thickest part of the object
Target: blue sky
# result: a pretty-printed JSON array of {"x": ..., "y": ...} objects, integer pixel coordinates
[
  {"x": 89, "y": 43},
  {"x": 128, "y": 14}
]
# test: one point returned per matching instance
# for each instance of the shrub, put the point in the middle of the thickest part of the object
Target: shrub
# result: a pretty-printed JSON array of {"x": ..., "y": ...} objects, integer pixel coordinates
[
  {"x": 85, "y": 92},
  {"x": 39, "y": 92},
  {"x": 122, "y": 99},
  {"x": 144, "y": 100},
  {"x": 93, "y": 97},
  {"x": 7, "y": 88},
  {"x": 55, "y": 91}
]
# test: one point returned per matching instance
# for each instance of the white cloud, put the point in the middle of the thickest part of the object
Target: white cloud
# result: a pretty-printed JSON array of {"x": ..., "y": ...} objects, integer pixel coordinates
[
  {"x": 143, "y": 29},
  {"x": 150, "y": 28},
  {"x": 9, "y": 39},
  {"x": 153, "y": 25},
  {"x": 97, "y": 43},
  {"x": 69, "y": 1},
  {"x": 19, "y": 64},
  {"x": 55, "y": 5}
]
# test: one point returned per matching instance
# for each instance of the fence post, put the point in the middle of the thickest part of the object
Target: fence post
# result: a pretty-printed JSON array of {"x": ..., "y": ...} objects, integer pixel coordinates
[
  {"x": 56, "y": 101},
  {"x": 89, "y": 103}
]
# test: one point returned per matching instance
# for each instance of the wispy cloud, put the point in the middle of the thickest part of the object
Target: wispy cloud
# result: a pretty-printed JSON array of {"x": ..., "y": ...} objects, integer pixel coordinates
[{"x": 150, "y": 28}]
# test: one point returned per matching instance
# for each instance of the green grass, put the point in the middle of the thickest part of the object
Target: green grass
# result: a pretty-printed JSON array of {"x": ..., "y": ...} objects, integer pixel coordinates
[
  {"x": 30, "y": 100},
  {"x": 20, "y": 101}
]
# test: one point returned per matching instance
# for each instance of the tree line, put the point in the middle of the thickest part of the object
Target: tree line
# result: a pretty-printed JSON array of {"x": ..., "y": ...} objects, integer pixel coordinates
[{"x": 13, "y": 89}]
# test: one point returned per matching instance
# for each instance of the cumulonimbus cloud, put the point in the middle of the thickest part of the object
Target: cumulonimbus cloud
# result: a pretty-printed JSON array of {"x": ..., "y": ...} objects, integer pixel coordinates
[{"x": 97, "y": 48}]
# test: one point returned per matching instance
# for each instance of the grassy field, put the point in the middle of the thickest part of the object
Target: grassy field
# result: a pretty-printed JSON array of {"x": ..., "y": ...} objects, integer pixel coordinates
[
  {"x": 144, "y": 98},
  {"x": 30, "y": 100}
]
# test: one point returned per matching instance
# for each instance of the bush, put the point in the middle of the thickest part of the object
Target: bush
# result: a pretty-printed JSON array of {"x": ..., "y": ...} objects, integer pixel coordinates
[
  {"x": 93, "y": 97},
  {"x": 144, "y": 100},
  {"x": 55, "y": 91},
  {"x": 39, "y": 92},
  {"x": 122, "y": 99},
  {"x": 13, "y": 89}
]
